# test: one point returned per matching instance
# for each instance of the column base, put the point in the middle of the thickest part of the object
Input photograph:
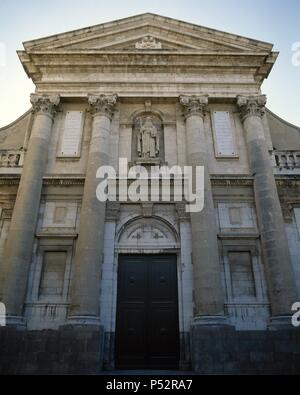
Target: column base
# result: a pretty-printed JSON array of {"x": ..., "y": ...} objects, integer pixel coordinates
[
  {"x": 281, "y": 322},
  {"x": 16, "y": 321},
  {"x": 80, "y": 320},
  {"x": 211, "y": 320}
]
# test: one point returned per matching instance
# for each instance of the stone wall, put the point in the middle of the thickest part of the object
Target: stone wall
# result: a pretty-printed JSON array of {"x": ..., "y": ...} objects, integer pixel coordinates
[
  {"x": 226, "y": 351},
  {"x": 69, "y": 350},
  {"x": 77, "y": 350}
]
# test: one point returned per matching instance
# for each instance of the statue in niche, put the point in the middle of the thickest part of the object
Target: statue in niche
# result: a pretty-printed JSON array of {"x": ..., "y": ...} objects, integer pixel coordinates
[{"x": 148, "y": 140}]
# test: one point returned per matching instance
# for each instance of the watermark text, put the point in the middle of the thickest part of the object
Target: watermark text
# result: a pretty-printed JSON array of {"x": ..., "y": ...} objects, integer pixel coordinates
[
  {"x": 160, "y": 183},
  {"x": 296, "y": 316},
  {"x": 296, "y": 54},
  {"x": 2, "y": 315}
]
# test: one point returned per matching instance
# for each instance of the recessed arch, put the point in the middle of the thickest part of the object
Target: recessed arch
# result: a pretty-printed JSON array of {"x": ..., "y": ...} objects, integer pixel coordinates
[
  {"x": 142, "y": 113},
  {"x": 143, "y": 233}
]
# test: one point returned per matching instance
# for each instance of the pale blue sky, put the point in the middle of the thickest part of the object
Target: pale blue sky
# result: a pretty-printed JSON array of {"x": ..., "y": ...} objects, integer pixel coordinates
[{"x": 274, "y": 21}]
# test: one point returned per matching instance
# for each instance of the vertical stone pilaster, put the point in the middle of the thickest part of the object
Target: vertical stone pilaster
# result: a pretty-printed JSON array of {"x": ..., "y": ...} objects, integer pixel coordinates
[
  {"x": 282, "y": 287},
  {"x": 209, "y": 298},
  {"x": 18, "y": 249},
  {"x": 85, "y": 287}
]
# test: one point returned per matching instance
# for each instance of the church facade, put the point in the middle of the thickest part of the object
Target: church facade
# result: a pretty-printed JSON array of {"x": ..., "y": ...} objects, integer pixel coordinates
[{"x": 145, "y": 284}]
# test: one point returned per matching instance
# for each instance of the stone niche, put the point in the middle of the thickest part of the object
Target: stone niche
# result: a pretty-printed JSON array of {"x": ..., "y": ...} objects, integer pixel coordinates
[{"x": 148, "y": 147}]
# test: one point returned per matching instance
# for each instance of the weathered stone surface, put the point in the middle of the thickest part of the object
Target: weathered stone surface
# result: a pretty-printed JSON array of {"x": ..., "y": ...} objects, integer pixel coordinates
[
  {"x": 69, "y": 350},
  {"x": 227, "y": 351},
  {"x": 63, "y": 245},
  {"x": 209, "y": 297},
  {"x": 89, "y": 250},
  {"x": 18, "y": 249},
  {"x": 279, "y": 269}
]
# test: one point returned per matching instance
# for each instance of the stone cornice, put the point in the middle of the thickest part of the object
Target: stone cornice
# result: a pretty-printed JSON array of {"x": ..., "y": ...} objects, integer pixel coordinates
[
  {"x": 48, "y": 181},
  {"x": 56, "y": 235},
  {"x": 44, "y": 104},
  {"x": 103, "y": 105},
  {"x": 238, "y": 236},
  {"x": 252, "y": 106},
  {"x": 288, "y": 182},
  {"x": 232, "y": 181},
  {"x": 88, "y": 62}
]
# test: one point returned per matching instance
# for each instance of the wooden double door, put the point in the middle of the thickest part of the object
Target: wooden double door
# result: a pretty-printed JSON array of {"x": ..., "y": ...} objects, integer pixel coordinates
[{"x": 147, "y": 329}]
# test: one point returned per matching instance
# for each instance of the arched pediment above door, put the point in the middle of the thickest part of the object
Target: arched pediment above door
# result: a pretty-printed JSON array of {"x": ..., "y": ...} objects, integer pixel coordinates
[{"x": 143, "y": 233}]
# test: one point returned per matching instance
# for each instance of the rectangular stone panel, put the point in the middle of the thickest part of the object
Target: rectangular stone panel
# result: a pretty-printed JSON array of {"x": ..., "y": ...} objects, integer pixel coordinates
[
  {"x": 236, "y": 216},
  {"x": 72, "y": 134},
  {"x": 242, "y": 277},
  {"x": 53, "y": 273},
  {"x": 224, "y": 137}
]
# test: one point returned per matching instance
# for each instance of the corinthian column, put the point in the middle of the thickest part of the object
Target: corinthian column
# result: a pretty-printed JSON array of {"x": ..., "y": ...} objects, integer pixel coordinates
[
  {"x": 19, "y": 245},
  {"x": 209, "y": 298},
  {"x": 85, "y": 294},
  {"x": 276, "y": 254}
]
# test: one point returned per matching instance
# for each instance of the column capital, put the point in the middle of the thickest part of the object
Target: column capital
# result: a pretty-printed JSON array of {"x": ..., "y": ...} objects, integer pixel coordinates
[
  {"x": 251, "y": 106},
  {"x": 194, "y": 105},
  {"x": 44, "y": 104},
  {"x": 102, "y": 104}
]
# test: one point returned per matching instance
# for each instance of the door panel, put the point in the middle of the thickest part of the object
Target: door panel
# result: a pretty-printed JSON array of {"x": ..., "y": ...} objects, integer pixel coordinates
[{"x": 147, "y": 333}]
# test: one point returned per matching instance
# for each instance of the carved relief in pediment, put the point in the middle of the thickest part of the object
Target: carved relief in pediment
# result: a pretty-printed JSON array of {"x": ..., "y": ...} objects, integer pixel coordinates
[
  {"x": 148, "y": 42},
  {"x": 147, "y": 233}
]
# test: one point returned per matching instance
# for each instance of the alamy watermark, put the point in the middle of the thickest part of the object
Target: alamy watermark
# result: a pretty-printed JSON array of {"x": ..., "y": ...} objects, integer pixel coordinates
[
  {"x": 2, "y": 315},
  {"x": 296, "y": 315},
  {"x": 296, "y": 54},
  {"x": 160, "y": 183}
]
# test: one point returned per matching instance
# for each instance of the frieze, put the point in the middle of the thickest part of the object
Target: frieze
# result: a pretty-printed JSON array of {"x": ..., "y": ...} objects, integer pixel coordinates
[
  {"x": 232, "y": 181},
  {"x": 10, "y": 158},
  {"x": 286, "y": 182}
]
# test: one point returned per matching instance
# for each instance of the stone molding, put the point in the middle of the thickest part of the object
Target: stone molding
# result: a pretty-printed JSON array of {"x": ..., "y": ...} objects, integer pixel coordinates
[
  {"x": 182, "y": 214},
  {"x": 44, "y": 104},
  {"x": 232, "y": 181},
  {"x": 194, "y": 105},
  {"x": 55, "y": 235},
  {"x": 102, "y": 105},
  {"x": 252, "y": 106},
  {"x": 216, "y": 181},
  {"x": 112, "y": 211}
]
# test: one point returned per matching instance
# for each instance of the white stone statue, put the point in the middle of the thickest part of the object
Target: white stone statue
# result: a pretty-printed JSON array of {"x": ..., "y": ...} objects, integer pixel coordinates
[{"x": 148, "y": 140}]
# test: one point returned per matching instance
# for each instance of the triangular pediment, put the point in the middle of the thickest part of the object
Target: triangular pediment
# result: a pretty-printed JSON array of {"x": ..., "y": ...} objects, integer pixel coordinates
[{"x": 147, "y": 32}]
